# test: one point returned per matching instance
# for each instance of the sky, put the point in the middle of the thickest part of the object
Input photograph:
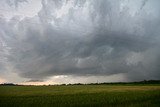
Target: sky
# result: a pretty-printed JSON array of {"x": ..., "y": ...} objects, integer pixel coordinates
[{"x": 79, "y": 41}]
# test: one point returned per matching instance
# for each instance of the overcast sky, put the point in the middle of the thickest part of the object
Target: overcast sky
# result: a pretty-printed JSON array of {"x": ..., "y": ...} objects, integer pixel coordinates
[{"x": 71, "y": 41}]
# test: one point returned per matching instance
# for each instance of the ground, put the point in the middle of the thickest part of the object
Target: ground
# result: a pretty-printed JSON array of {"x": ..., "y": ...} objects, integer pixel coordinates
[{"x": 81, "y": 96}]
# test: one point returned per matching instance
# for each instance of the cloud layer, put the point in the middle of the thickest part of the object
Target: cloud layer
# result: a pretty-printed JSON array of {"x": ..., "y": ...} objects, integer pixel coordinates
[{"x": 83, "y": 38}]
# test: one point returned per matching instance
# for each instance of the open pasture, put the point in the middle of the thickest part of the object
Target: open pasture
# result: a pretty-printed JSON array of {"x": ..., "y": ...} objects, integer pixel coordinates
[{"x": 80, "y": 96}]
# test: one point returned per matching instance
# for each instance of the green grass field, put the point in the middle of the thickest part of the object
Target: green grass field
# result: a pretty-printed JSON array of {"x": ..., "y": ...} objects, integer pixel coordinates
[{"x": 80, "y": 96}]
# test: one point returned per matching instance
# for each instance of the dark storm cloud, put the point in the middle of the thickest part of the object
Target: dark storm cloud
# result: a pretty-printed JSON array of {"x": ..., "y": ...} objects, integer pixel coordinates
[{"x": 97, "y": 37}]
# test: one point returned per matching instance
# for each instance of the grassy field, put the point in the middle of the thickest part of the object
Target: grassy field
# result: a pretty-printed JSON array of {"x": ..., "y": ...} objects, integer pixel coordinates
[{"x": 80, "y": 96}]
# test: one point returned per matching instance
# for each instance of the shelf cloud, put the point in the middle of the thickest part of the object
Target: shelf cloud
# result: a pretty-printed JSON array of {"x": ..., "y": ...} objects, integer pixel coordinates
[{"x": 81, "y": 38}]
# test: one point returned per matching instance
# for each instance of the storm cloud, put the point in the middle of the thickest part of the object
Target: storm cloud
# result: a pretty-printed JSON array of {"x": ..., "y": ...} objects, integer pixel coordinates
[{"x": 83, "y": 38}]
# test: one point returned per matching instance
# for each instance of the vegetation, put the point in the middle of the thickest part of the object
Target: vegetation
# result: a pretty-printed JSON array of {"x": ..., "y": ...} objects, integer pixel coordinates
[{"x": 106, "y": 95}]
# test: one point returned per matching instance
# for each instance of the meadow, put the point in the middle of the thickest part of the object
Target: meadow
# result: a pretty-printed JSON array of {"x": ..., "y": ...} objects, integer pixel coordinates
[{"x": 81, "y": 96}]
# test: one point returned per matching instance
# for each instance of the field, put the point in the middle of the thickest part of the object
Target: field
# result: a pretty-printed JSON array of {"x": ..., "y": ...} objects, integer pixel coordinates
[{"x": 80, "y": 96}]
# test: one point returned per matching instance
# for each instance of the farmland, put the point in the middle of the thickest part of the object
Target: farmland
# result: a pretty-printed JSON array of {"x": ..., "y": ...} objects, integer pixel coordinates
[{"x": 81, "y": 96}]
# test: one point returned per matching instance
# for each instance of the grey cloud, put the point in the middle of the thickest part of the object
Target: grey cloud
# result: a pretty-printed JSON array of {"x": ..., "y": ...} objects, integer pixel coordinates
[
  {"x": 143, "y": 3},
  {"x": 91, "y": 38},
  {"x": 15, "y": 3},
  {"x": 34, "y": 81}
]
